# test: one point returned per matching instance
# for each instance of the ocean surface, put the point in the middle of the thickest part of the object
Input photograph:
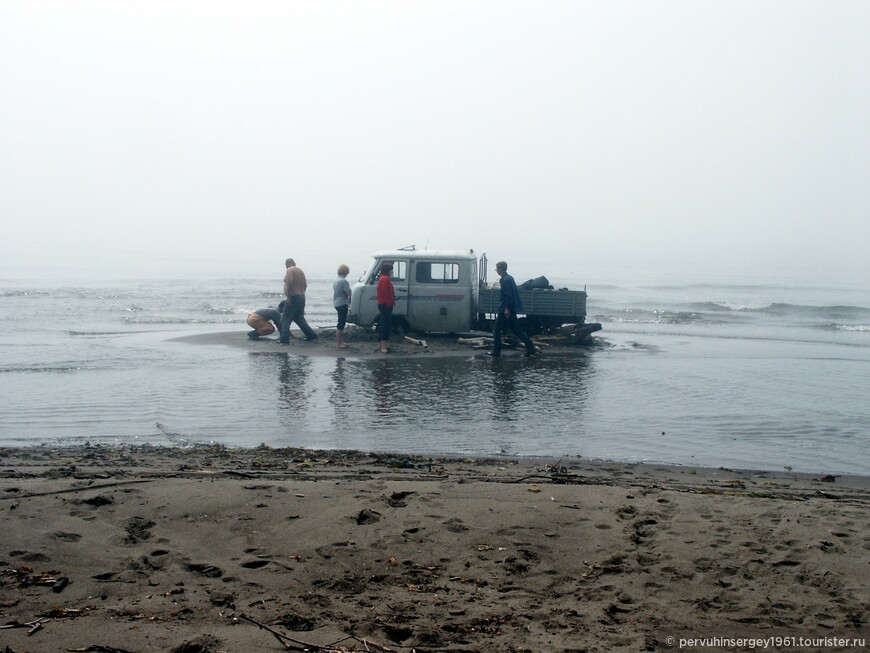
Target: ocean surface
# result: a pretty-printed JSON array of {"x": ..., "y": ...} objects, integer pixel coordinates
[{"x": 734, "y": 373}]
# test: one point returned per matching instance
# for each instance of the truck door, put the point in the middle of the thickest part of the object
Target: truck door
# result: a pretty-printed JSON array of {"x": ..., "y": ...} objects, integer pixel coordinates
[
  {"x": 401, "y": 283},
  {"x": 441, "y": 298},
  {"x": 368, "y": 309}
]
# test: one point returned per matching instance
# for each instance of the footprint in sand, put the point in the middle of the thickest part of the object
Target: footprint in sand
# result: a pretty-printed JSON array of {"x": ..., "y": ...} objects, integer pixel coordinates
[
  {"x": 295, "y": 622},
  {"x": 397, "y": 499},
  {"x": 367, "y": 516},
  {"x": 626, "y": 512},
  {"x": 255, "y": 564},
  {"x": 66, "y": 537},
  {"x": 97, "y": 501},
  {"x": 138, "y": 529},
  {"x": 205, "y": 569},
  {"x": 455, "y": 525}
]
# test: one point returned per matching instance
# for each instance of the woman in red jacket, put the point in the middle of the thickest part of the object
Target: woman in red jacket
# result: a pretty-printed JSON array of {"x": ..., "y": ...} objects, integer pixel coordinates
[{"x": 386, "y": 301}]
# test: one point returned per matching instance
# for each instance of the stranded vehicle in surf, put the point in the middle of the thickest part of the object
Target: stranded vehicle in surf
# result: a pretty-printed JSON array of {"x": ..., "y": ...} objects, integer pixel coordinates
[{"x": 446, "y": 291}]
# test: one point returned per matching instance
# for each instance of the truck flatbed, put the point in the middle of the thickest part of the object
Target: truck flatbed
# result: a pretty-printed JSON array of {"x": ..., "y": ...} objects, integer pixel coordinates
[{"x": 570, "y": 304}]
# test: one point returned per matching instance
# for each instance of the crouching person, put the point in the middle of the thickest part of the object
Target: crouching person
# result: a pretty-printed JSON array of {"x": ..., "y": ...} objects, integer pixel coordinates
[{"x": 264, "y": 321}]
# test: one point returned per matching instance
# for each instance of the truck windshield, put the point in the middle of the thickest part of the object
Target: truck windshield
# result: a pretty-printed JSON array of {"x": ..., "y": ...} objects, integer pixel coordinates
[{"x": 400, "y": 271}]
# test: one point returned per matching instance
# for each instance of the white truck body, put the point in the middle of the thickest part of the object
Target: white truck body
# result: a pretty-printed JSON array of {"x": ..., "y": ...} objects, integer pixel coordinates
[
  {"x": 444, "y": 291},
  {"x": 436, "y": 290}
]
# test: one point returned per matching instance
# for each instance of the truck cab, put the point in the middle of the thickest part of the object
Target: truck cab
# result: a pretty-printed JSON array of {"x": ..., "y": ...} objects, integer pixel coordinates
[{"x": 436, "y": 290}]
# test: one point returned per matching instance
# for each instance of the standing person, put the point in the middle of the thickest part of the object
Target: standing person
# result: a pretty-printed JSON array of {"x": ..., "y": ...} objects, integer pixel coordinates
[
  {"x": 341, "y": 301},
  {"x": 261, "y": 321},
  {"x": 386, "y": 301},
  {"x": 508, "y": 308},
  {"x": 295, "y": 286}
]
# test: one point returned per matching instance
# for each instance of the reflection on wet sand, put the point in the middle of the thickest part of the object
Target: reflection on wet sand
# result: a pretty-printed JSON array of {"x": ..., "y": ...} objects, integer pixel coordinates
[
  {"x": 386, "y": 397},
  {"x": 428, "y": 404},
  {"x": 339, "y": 394},
  {"x": 504, "y": 378},
  {"x": 294, "y": 390}
]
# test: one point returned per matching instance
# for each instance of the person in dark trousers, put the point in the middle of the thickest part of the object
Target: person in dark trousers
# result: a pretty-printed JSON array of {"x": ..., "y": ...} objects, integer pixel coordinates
[
  {"x": 341, "y": 297},
  {"x": 386, "y": 301},
  {"x": 261, "y": 321},
  {"x": 508, "y": 308},
  {"x": 295, "y": 286}
]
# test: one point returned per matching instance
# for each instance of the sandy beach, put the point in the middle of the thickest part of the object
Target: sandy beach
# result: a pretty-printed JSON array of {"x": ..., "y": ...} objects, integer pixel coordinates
[{"x": 210, "y": 549}]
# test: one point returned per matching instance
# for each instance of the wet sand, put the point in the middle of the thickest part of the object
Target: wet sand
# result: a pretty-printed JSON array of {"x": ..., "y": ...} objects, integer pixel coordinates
[
  {"x": 213, "y": 549},
  {"x": 362, "y": 344}
]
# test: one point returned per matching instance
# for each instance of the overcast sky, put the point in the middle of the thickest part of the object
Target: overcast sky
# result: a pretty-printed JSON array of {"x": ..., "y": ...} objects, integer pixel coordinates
[{"x": 712, "y": 135}]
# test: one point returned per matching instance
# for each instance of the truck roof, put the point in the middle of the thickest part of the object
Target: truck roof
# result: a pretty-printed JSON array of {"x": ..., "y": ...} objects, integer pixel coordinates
[{"x": 426, "y": 253}]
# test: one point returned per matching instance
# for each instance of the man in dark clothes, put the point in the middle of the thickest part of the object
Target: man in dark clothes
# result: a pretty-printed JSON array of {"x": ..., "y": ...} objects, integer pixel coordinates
[{"x": 508, "y": 308}]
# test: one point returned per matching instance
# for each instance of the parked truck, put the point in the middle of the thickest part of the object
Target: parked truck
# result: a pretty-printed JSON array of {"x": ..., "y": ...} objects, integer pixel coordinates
[{"x": 446, "y": 291}]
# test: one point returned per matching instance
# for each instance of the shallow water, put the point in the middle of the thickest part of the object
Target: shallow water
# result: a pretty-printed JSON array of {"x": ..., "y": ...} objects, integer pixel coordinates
[{"x": 739, "y": 375}]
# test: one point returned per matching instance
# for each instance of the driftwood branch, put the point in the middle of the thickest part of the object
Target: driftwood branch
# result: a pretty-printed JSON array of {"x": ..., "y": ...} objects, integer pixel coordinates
[
  {"x": 284, "y": 638},
  {"x": 296, "y": 644},
  {"x": 87, "y": 488},
  {"x": 482, "y": 340},
  {"x": 32, "y": 625}
]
